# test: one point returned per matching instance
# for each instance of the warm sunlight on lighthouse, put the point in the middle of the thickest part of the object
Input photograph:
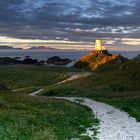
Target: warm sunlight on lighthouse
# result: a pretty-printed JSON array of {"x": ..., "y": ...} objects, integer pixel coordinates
[{"x": 99, "y": 46}]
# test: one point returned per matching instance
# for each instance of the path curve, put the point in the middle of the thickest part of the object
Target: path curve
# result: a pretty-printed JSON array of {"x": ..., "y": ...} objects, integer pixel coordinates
[
  {"x": 114, "y": 123},
  {"x": 74, "y": 77}
]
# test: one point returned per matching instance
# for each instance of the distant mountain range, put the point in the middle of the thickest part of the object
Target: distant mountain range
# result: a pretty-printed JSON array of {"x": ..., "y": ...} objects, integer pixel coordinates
[
  {"x": 9, "y": 48},
  {"x": 41, "y": 48},
  {"x": 4, "y": 47}
]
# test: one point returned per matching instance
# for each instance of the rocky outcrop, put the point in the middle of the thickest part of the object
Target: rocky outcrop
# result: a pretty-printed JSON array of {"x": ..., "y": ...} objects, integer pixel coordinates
[
  {"x": 9, "y": 61},
  {"x": 99, "y": 59},
  {"x": 58, "y": 61}
]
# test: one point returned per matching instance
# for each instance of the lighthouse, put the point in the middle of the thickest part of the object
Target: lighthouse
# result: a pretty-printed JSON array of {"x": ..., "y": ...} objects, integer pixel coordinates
[{"x": 99, "y": 46}]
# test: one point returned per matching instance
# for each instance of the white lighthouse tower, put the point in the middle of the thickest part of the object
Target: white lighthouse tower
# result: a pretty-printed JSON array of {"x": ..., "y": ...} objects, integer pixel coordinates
[{"x": 99, "y": 46}]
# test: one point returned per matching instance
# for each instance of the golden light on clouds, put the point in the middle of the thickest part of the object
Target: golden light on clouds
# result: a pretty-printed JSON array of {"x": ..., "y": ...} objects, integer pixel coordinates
[
  {"x": 112, "y": 44},
  {"x": 61, "y": 44},
  {"x": 130, "y": 41},
  {"x": 18, "y": 40}
]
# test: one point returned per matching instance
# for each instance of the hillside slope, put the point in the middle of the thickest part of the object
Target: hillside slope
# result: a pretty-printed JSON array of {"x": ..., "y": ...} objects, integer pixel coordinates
[
  {"x": 131, "y": 70},
  {"x": 96, "y": 59},
  {"x": 118, "y": 87}
]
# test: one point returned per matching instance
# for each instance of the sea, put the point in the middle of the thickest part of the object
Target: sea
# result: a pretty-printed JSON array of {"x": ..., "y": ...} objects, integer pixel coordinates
[{"x": 71, "y": 54}]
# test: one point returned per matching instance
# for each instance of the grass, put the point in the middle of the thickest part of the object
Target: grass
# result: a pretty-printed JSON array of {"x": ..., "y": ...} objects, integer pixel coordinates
[
  {"x": 38, "y": 118},
  {"x": 26, "y": 91},
  {"x": 116, "y": 88},
  {"x": 129, "y": 104},
  {"x": 35, "y": 118},
  {"x": 16, "y": 76},
  {"x": 23, "y": 117}
]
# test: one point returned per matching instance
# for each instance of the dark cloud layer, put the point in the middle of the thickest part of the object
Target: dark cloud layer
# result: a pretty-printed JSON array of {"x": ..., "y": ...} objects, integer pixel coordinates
[{"x": 77, "y": 20}]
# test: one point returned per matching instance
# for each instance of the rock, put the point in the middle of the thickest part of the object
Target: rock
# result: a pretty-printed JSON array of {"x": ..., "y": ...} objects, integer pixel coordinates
[
  {"x": 9, "y": 61},
  {"x": 30, "y": 61},
  {"x": 58, "y": 61},
  {"x": 100, "y": 59}
]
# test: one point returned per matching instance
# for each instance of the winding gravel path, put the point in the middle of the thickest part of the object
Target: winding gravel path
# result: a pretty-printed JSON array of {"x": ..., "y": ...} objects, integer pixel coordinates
[
  {"x": 35, "y": 92},
  {"x": 114, "y": 123},
  {"x": 74, "y": 77}
]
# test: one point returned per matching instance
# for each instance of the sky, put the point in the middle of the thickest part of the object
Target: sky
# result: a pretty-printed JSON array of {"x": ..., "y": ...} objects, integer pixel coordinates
[{"x": 68, "y": 24}]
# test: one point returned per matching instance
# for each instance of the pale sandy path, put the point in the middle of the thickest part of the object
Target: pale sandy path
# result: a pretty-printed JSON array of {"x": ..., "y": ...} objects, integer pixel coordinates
[
  {"x": 114, "y": 123},
  {"x": 74, "y": 77},
  {"x": 35, "y": 92}
]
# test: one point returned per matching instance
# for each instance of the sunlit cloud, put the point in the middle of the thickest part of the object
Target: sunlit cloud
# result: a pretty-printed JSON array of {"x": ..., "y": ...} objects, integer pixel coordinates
[
  {"x": 111, "y": 44},
  {"x": 130, "y": 41},
  {"x": 6, "y": 39},
  {"x": 73, "y": 23},
  {"x": 60, "y": 44}
]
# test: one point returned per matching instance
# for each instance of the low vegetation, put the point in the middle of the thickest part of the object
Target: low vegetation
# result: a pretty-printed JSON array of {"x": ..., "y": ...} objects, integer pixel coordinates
[
  {"x": 19, "y": 76},
  {"x": 23, "y": 117},
  {"x": 118, "y": 87},
  {"x": 40, "y": 118},
  {"x": 34, "y": 118}
]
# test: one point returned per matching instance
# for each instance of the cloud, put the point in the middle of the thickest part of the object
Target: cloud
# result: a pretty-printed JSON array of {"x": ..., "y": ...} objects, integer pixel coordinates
[
  {"x": 130, "y": 41},
  {"x": 80, "y": 20},
  {"x": 61, "y": 44}
]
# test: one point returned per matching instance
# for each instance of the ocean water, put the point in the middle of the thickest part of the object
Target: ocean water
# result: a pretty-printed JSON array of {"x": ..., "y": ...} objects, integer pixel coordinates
[
  {"x": 43, "y": 55},
  {"x": 72, "y": 54}
]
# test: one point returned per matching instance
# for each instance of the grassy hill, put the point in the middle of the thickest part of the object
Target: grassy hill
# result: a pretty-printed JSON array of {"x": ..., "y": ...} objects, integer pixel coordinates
[
  {"x": 119, "y": 87},
  {"x": 23, "y": 117},
  {"x": 34, "y": 118},
  {"x": 21, "y": 76},
  {"x": 3, "y": 87},
  {"x": 38, "y": 118}
]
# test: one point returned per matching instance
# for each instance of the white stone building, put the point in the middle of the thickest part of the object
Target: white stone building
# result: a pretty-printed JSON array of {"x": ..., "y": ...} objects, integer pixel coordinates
[{"x": 99, "y": 46}]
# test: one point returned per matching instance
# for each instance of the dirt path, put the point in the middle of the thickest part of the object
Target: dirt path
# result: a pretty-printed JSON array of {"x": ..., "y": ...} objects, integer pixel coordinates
[
  {"x": 74, "y": 77},
  {"x": 114, "y": 123},
  {"x": 35, "y": 92}
]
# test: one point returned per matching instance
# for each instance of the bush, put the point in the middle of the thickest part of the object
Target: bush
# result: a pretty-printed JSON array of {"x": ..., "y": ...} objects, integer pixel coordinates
[
  {"x": 118, "y": 87},
  {"x": 3, "y": 87}
]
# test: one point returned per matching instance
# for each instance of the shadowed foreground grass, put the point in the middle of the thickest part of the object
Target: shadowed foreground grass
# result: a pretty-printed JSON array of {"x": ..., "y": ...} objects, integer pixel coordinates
[
  {"x": 34, "y": 118},
  {"x": 37, "y": 118}
]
